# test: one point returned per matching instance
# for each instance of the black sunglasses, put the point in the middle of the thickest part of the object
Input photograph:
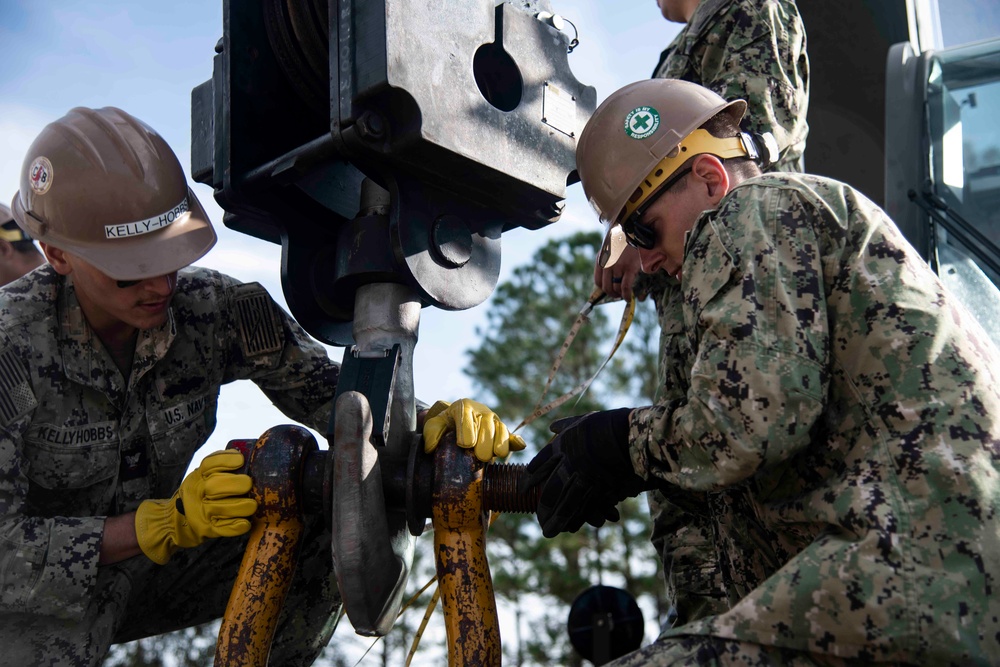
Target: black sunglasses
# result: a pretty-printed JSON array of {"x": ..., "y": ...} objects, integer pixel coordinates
[
  {"x": 125, "y": 284},
  {"x": 637, "y": 234}
]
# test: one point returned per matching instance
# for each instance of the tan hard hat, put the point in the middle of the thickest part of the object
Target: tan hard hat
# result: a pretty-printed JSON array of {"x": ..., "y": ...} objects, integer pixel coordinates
[
  {"x": 103, "y": 185},
  {"x": 639, "y": 136}
]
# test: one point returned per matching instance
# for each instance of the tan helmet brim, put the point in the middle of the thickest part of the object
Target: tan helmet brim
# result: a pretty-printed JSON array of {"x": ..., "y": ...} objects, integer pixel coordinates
[
  {"x": 5, "y": 214},
  {"x": 614, "y": 246},
  {"x": 170, "y": 249}
]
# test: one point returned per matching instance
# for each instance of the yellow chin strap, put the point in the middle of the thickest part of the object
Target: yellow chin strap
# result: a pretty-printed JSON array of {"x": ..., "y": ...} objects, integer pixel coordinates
[{"x": 699, "y": 141}]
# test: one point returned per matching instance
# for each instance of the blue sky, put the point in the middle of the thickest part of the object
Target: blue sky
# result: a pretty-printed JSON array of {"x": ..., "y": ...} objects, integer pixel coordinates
[{"x": 145, "y": 57}]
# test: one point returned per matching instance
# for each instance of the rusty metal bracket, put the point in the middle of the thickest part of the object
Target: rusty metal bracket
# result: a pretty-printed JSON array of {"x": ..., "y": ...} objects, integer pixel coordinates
[
  {"x": 460, "y": 520},
  {"x": 357, "y": 488},
  {"x": 251, "y": 616},
  {"x": 457, "y": 491}
]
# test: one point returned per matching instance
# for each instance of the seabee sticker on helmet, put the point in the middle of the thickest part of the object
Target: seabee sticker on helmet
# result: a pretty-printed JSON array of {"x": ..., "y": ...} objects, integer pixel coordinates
[{"x": 40, "y": 175}]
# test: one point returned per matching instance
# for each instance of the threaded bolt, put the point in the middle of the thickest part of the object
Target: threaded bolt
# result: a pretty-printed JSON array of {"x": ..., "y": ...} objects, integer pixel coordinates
[{"x": 500, "y": 489}]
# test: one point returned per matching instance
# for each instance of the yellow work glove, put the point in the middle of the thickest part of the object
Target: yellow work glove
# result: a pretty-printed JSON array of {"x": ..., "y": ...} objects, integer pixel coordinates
[
  {"x": 211, "y": 502},
  {"x": 476, "y": 427}
]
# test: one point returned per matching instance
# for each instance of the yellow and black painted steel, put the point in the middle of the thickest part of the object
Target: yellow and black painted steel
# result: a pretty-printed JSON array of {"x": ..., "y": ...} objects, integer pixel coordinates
[
  {"x": 275, "y": 464},
  {"x": 460, "y": 520},
  {"x": 459, "y": 493}
]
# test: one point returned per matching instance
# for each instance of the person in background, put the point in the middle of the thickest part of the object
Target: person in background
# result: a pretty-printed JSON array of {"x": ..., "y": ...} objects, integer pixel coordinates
[
  {"x": 836, "y": 422},
  {"x": 18, "y": 253},
  {"x": 111, "y": 361},
  {"x": 754, "y": 51}
]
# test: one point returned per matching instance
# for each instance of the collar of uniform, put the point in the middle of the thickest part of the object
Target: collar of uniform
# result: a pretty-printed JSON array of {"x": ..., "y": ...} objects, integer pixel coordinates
[
  {"x": 153, "y": 345},
  {"x": 711, "y": 222},
  {"x": 84, "y": 358}
]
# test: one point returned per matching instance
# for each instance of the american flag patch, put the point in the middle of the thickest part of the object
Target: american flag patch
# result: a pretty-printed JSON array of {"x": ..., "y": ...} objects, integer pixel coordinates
[
  {"x": 260, "y": 332},
  {"x": 16, "y": 397}
]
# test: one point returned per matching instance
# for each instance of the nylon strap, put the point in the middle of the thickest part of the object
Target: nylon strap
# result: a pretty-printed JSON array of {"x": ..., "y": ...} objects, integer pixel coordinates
[{"x": 597, "y": 298}]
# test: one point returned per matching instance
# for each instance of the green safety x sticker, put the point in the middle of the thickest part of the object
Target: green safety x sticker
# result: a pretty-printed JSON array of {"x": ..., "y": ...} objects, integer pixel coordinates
[{"x": 642, "y": 122}]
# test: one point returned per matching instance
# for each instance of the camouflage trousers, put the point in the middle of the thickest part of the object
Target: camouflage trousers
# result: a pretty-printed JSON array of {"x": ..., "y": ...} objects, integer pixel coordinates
[
  {"x": 137, "y": 598},
  {"x": 717, "y": 652}
]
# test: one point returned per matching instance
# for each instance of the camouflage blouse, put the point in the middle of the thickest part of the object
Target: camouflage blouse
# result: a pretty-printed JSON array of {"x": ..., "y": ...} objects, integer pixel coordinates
[
  {"x": 754, "y": 50},
  {"x": 841, "y": 415},
  {"x": 79, "y": 442}
]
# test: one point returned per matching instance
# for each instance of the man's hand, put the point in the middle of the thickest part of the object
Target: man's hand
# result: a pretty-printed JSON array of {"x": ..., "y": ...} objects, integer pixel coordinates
[
  {"x": 585, "y": 471},
  {"x": 618, "y": 280},
  {"x": 476, "y": 427},
  {"x": 211, "y": 502}
]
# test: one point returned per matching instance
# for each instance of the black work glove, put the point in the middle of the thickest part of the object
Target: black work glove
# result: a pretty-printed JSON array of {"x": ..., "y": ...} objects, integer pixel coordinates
[{"x": 585, "y": 471}]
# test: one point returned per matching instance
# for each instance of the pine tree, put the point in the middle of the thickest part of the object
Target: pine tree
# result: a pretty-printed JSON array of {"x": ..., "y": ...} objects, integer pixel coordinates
[{"x": 538, "y": 579}]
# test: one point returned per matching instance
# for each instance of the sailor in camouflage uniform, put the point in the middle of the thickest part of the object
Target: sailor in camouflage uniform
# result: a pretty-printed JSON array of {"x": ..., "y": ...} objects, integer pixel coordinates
[
  {"x": 753, "y": 50},
  {"x": 111, "y": 360},
  {"x": 839, "y": 427}
]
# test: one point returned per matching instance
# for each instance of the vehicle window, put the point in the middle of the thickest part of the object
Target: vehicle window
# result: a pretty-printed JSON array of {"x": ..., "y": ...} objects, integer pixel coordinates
[{"x": 963, "y": 96}]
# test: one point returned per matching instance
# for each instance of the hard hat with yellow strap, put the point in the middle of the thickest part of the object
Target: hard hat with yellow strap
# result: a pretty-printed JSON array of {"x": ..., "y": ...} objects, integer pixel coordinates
[{"x": 639, "y": 137}]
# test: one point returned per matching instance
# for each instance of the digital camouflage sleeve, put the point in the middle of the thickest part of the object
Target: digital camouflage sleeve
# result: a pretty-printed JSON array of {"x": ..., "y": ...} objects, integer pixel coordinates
[
  {"x": 843, "y": 418},
  {"x": 682, "y": 530}
]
